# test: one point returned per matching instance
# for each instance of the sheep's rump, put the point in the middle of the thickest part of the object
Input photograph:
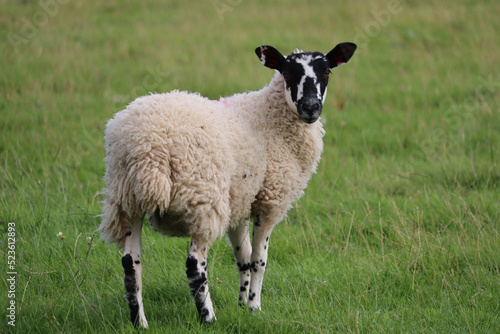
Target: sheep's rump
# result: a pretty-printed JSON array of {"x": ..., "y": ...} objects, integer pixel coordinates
[{"x": 167, "y": 156}]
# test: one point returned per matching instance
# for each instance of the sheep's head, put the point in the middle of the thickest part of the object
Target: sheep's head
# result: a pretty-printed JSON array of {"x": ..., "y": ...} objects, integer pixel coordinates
[{"x": 306, "y": 75}]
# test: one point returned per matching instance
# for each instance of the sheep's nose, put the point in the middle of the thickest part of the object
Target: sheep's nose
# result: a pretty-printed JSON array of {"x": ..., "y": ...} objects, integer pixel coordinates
[
  {"x": 310, "y": 110},
  {"x": 311, "y": 107}
]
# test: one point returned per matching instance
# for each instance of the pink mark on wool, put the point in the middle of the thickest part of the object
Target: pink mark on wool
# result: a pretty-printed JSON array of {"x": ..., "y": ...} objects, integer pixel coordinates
[{"x": 224, "y": 102}]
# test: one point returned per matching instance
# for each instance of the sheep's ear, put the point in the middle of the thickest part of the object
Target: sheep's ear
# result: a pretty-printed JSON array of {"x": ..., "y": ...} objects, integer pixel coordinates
[
  {"x": 270, "y": 57},
  {"x": 340, "y": 54}
]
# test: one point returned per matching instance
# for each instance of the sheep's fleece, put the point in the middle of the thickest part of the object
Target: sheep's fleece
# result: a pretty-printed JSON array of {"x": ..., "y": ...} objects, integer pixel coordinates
[{"x": 199, "y": 167}]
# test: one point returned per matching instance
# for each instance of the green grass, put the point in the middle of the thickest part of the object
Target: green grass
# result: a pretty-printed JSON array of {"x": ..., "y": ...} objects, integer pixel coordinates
[{"x": 397, "y": 232}]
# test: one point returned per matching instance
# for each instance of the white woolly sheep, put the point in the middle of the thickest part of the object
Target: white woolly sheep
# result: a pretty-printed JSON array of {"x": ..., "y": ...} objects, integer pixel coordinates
[{"x": 203, "y": 168}]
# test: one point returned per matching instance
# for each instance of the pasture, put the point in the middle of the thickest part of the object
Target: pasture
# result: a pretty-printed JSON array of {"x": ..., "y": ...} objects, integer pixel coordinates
[{"x": 399, "y": 230}]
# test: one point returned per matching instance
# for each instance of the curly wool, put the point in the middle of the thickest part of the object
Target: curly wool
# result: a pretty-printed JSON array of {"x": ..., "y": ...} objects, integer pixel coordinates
[{"x": 198, "y": 167}]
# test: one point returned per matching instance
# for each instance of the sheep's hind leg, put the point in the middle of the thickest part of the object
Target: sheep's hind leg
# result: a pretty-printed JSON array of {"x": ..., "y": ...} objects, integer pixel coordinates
[
  {"x": 240, "y": 241},
  {"x": 132, "y": 266},
  {"x": 196, "y": 270},
  {"x": 260, "y": 246}
]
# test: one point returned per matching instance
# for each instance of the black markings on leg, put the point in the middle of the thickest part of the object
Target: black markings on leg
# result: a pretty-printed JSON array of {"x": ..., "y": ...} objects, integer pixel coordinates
[
  {"x": 137, "y": 262},
  {"x": 131, "y": 288},
  {"x": 257, "y": 220},
  {"x": 128, "y": 267},
  {"x": 243, "y": 267},
  {"x": 198, "y": 285},
  {"x": 191, "y": 266},
  {"x": 253, "y": 266},
  {"x": 251, "y": 296}
]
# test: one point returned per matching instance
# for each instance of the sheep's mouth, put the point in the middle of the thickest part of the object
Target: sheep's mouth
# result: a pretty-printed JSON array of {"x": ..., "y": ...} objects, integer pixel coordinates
[
  {"x": 308, "y": 120},
  {"x": 309, "y": 114}
]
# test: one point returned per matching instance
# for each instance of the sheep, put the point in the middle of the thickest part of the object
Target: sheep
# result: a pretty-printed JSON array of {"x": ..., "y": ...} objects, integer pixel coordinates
[{"x": 202, "y": 169}]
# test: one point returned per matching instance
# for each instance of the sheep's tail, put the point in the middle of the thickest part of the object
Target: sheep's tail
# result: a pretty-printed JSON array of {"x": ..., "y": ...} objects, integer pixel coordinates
[
  {"x": 114, "y": 223},
  {"x": 138, "y": 182}
]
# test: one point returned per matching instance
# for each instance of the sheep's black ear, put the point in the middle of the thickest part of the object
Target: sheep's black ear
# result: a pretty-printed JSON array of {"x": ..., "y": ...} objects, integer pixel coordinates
[
  {"x": 270, "y": 57},
  {"x": 340, "y": 54}
]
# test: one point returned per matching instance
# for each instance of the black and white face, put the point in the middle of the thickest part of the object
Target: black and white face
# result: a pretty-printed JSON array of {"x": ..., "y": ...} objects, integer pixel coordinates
[{"x": 306, "y": 76}]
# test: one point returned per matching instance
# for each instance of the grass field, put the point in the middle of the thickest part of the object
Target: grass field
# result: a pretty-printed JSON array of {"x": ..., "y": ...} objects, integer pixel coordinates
[{"x": 398, "y": 230}]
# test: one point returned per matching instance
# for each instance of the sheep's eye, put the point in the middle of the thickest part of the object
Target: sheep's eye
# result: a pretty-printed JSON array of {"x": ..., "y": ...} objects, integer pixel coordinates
[
  {"x": 327, "y": 75},
  {"x": 286, "y": 75}
]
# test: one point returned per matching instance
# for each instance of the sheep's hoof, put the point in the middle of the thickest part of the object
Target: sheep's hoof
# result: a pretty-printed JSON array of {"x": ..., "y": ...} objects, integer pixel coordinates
[
  {"x": 140, "y": 323},
  {"x": 255, "y": 309},
  {"x": 205, "y": 321},
  {"x": 143, "y": 324},
  {"x": 206, "y": 317}
]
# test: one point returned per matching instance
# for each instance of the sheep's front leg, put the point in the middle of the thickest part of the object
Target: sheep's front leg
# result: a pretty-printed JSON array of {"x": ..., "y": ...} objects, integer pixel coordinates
[
  {"x": 260, "y": 243},
  {"x": 196, "y": 270},
  {"x": 131, "y": 262},
  {"x": 240, "y": 241}
]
